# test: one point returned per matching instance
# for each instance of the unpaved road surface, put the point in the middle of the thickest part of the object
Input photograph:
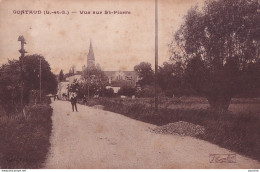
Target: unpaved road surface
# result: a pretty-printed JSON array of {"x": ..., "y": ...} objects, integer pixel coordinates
[{"x": 93, "y": 138}]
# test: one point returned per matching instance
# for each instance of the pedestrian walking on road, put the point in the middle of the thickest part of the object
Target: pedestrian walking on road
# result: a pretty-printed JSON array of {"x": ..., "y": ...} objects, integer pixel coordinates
[
  {"x": 85, "y": 100},
  {"x": 73, "y": 101}
]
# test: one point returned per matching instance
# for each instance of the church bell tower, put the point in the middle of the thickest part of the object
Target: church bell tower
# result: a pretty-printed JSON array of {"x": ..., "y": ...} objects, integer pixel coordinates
[{"x": 90, "y": 57}]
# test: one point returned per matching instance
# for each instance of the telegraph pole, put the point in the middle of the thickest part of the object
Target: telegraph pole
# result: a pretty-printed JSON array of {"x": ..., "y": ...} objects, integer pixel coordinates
[
  {"x": 22, "y": 51},
  {"x": 40, "y": 75},
  {"x": 88, "y": 80},
  {"x": 156, "y": 57}
]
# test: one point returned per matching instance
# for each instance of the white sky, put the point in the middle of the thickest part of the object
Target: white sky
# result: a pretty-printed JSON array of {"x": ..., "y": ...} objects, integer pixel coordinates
[{"x": 119, "y": 41}]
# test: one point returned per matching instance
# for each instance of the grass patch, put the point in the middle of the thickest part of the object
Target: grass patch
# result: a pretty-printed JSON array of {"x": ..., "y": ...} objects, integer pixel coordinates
[
  {"x": 237, "y": 132},
  {"x": 24, "y": 141}
]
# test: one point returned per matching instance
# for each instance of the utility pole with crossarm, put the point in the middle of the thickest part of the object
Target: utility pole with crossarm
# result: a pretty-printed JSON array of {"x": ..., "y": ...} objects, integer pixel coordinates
[{"x": 22, "y": 51}]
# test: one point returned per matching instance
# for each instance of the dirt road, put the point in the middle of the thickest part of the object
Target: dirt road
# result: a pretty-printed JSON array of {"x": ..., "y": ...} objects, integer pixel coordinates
[{"x": 93, "y": 138}]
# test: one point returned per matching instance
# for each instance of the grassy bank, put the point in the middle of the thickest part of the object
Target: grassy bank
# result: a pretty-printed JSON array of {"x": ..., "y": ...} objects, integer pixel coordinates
[
  {"x": 238, "y": 132},
  {"x": 24, "y": 141}
]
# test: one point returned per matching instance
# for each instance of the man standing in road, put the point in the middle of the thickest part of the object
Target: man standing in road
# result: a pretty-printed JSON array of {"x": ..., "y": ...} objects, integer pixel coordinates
[
  {"x": 85, "y": 100},
  {"x": 73, "y": 101}
]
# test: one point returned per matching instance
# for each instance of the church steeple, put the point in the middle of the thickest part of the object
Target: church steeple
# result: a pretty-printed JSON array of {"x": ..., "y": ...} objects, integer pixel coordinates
[{"x": 90, "y": 57}]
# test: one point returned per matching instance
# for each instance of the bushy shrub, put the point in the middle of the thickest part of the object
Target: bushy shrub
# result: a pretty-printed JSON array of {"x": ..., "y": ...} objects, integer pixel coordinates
[
  {"x": 41, "y": 112},
  {"x": 147, "y": 91},
  {"x": 126, "y": 91},
  {"x": 46, "y": 100},
  {"x": 25, "y": 139},
  {"x": 109, "y": 92},
  {"x": 169, "y": 93}
]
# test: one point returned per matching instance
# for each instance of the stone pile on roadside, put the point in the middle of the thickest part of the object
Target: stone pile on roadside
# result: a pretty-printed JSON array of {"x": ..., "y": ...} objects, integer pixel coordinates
[{"x": 180, "y": 128}]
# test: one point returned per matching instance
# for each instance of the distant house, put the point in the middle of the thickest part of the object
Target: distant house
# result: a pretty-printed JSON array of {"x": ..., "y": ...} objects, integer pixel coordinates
[
  {"x": 78, "y": 77},
  {"x": 117, "y": 79},
  {"x": 62, "y": 89}
]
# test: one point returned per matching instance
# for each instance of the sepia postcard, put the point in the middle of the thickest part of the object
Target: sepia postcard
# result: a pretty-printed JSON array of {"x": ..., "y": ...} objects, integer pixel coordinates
[{"x": 140, "y": 84}]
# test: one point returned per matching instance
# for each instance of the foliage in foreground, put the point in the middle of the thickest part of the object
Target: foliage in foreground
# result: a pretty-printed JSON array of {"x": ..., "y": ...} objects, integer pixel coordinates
[{"x": 24, "y": 141}]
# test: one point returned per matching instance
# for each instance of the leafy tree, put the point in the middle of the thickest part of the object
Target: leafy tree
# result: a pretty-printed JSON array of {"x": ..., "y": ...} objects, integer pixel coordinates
[
  {"x": 148, "y": 91},
  {"x": 61, "y": 76},
  {"x": 171, "y": 79},
  {"x": 11, "y": 79},
  {"x": 10, "y": 90},
  {"x": 218, "y": 46},
  {"x": 109, "y": 92},
  {"x": 32, "y": 71},
  {"x": 145, "y": 73},
  {"x": 72, "y": 71},
  {"x": 75, "y": 86},
  {"x": 95, "y": 81},
  {"x": 126, "y": 91}
]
